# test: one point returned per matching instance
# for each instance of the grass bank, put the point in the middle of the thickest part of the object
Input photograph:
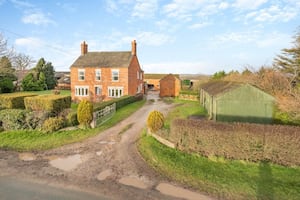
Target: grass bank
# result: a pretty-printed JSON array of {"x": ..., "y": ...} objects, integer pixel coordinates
[
  {"x": 35, "y": 140},
  {"x": 183, "y": 110},
  {"x": 226, "y": 179}
]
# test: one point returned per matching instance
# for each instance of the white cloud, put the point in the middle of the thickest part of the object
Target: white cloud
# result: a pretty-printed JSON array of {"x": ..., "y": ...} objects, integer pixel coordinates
[
  {"x": 30, "y": 42},
  {"x": 111, "y": 6},
  {"x": 37, "y": 18},
  {"x": 153, "y": 39},
  {"x": 274, "y": 13},
  {"x": 145, "y": 8},
  {"x": 274, "y": 39},
  {"x": 22, "y": 4},
  {"x": 182, "y": 9},
  {"x": 180, "y": 67},
  {"x": 237, "y": 37},
  {"x": 199, "y": 25},
  {"x": 249, "y": 4},
  {"x": 223, "y": 5}
]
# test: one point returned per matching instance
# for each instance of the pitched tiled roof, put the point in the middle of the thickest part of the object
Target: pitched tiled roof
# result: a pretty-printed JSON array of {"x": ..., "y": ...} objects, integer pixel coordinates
[
  {"x": 170, "y": 76},
  {"x": 157, "y": 76},
  {"x": 104, "y": 59},
  {"x": 219, "y": 87}
]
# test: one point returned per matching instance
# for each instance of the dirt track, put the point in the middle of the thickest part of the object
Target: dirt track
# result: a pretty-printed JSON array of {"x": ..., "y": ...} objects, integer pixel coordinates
[{"x": 108, "y": 163}]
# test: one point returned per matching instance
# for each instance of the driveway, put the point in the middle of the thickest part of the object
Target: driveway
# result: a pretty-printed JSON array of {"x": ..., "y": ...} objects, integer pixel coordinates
[{"x": 107, "y": 164}]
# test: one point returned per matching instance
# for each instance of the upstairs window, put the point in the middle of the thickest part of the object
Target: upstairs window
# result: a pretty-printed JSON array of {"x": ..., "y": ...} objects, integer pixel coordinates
[
  {"x": 115, "y": 75},
  {"x": 98, "y": 75},
  {"x": 81, "y": 74}
]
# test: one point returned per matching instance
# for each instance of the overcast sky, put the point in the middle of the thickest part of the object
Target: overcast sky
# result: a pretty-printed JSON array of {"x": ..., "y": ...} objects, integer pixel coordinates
[{"x": 173, "y": 36}]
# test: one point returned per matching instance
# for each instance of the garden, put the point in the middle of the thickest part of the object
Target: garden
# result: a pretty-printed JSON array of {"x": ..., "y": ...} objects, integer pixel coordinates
[
  {"x": 227, "y": 161},
  {"x": 34, "y": 121}
]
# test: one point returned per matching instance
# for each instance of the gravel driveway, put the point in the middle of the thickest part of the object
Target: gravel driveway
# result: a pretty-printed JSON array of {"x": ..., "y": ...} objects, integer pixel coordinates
[{"x": 107, "y": 163}]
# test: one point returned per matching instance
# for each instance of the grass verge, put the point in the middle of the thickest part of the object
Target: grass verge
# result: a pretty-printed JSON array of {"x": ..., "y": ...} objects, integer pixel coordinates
[
  {"x": 35, "y": 140},
  {"x": 183, "y": 110},
  {"x": 226, "y": 179}
]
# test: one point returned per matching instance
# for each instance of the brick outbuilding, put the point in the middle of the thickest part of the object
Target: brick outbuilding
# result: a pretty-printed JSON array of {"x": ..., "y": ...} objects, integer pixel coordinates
[{"x": 170, "y": 86}]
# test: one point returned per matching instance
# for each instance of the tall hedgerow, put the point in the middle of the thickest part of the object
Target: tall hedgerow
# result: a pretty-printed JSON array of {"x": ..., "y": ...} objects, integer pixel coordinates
[
  {"x": 85, "y": 113},
  {"x": 155, "y": 121}
]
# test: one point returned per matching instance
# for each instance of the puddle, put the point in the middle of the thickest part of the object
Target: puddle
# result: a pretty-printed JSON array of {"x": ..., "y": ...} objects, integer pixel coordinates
[
  {"x": 107, "y": 142},
  {"x": 67, "y": 164},
  {"x": 99, "y": 153},
  {"x": 103, "y": 175},
  {"x": 179, "y": 192},
  {"x": 27, "y": 156},
  {"x": 131, "y": 181}
]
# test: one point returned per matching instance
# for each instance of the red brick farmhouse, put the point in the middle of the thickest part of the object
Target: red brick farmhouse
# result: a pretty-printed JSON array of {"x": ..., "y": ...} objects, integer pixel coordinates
[{"x": 100, "y": 76}]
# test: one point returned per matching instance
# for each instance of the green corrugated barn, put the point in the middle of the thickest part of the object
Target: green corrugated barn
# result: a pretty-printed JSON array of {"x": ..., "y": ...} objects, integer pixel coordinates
[{"x": 232, "y": 101}]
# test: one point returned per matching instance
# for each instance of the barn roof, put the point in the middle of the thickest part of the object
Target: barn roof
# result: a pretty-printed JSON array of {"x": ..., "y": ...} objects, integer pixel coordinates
[
  {"x": 157, "y": 76},
  {"x": 170, "y": 76},
  {"x": 104, "y": 59},
  {"x": 219, "y": 87}
]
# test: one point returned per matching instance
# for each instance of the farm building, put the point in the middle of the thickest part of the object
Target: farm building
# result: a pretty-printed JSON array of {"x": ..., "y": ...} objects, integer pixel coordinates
[
  {"x": 232, "y": 101},
  {"x": 170, "y": 86},
  {"x": 152, "y": 80}
]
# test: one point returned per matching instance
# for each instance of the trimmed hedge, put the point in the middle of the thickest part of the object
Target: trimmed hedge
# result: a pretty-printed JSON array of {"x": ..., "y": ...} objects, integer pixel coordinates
[
  {"x": 14, "y": 100},
  {"x": 53, "y": 124},
  {"x": 120, "y": 102},
  {"x": 50, "y": 103},
  {"x": 241, "y": 141},
  {"x": 13, "y": 119}
]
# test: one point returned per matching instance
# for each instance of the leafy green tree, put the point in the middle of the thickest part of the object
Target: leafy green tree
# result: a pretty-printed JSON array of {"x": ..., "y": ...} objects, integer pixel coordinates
[
  {"x": 31, "y": 83},
  {"x": 289, "y": 60},
  {"x": 6, "y": 85},
  {"x": 219, "y": 75},
  {"x": 48, "y": 70},
  {"x": 6, "y": 75}
]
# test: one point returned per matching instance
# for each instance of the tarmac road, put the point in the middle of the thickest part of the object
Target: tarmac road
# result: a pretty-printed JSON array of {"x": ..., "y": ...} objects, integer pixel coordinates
[{"x": 15, "y": 189}]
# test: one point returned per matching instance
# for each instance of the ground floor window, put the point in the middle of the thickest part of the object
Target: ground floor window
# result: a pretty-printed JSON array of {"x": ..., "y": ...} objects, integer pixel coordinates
[
  {"x": 115, "y": 92},
  {"x": 81, "y": 90},
  {"x": 98, "y": 90}
]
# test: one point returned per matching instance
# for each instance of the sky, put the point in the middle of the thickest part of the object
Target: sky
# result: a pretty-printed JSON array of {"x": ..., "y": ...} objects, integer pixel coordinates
[{"x": 173, "y": 36}]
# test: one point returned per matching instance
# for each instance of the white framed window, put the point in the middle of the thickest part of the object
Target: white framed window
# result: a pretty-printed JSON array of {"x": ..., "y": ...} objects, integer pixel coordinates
[
  {"x": 81, "y": 90},
  {"x": 141, "y": 76},
  {"x": 139, "y": 88},
  {"x": 115, "y": 92},
  {"x": 98, "y": 74},
  {"x": 115, "y": 75},
  {"x": 81, "y": 74},
  {"x": 98, "y": 90}
]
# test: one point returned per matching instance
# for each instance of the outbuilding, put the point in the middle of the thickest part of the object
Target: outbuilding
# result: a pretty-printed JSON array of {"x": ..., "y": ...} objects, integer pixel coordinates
[
  {"x": 233, "y": 101},
  {"x": 169, "y": 86}
]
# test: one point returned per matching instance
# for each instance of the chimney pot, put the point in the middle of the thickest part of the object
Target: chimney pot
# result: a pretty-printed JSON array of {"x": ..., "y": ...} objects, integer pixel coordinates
[{"x": 133, "y": 48}]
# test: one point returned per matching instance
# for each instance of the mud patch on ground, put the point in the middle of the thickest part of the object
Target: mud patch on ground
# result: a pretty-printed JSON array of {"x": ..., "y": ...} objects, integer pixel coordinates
[
  {"x": 67, "y": 164},
  {"x": 133, "y": 181},
  {"x": 27, "y": 156}
]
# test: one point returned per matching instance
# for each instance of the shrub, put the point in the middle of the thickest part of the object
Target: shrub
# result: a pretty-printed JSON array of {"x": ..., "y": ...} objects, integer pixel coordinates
[
  {"x": 50, "y": 103},
  {"x": 13, "y": 119},
  {"x": 6, "y": 85},
  {"x": 155, "y": 121},
  {"x": 240, "y": 141},
  {"x": 85, "y": 113},
  {"x": 35, "y": 119},
  {"x": 14, "y": 100},
  {"x": 53, "y": 124},
  {"x": 72, "y": 119}
]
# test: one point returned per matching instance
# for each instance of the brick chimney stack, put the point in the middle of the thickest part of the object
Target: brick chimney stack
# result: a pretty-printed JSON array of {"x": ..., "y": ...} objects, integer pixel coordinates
[
  {"x": 133, "y": 48},
  {"x": 84, "y": 48}
]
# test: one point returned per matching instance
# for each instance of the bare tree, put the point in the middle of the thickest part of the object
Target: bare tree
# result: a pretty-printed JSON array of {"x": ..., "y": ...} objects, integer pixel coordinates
[{"x": 22, "y": 62}]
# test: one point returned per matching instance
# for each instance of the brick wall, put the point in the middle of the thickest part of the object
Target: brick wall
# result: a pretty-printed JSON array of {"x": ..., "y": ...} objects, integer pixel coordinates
[{"x": 169, "y": 86}]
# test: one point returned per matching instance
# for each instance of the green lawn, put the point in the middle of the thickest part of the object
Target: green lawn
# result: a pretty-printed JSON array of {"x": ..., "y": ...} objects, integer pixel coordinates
[
  {"x": 62, "y": 92},
  {"x": 225, "y": 179},
  {"x": 35, "y": 140},
  {"x": 183, "y": 110}
]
